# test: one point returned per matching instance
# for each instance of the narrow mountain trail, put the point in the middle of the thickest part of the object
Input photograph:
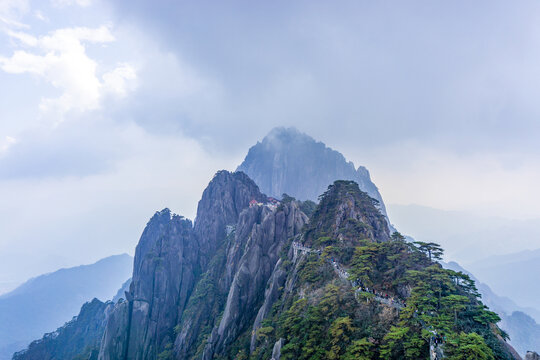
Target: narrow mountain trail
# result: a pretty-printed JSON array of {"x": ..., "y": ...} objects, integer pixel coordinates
[
  {"x": 344, "y": 275},
  {"x": 435, "y": 348}
]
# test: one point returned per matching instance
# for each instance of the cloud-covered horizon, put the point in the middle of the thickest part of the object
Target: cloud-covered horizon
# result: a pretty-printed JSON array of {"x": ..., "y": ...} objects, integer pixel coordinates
[{"x": 113, "y": 110}]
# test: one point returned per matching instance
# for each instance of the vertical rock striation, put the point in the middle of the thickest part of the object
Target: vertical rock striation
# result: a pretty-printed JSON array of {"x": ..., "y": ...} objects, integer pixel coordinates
[
  {"x": 164, "y": 273},
  {"x": 270, "y": 230},
  {"x": 288, "y": 161},
  {"x": 169, "y": 259}
]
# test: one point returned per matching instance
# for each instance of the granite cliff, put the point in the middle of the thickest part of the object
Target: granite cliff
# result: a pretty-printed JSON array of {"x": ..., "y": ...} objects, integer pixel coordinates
[
  {"x": 169, "y": 260},
  {"x": 291, "y": 162}
]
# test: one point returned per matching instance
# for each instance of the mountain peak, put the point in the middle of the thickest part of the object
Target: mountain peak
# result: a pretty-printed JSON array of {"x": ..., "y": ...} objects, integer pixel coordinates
[
  {"x": 279, "y": 136},
  {"x": 345, "y": 215},
  {"x": 289, "y": 161}
]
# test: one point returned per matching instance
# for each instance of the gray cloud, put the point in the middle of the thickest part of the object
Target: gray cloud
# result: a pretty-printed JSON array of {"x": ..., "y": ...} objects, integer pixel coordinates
[
  {"x": 65, "y": 152},
  {"x": 437, "y": 99},
  {"x": 457, "y": 74}
]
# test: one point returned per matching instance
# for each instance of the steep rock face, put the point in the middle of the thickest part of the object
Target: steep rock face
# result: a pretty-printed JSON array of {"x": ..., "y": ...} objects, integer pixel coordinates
[
  {"x": 164, "y": 273},
  {"x": 288, "y": 161},
  {"x": 272, "y": 293},
  {"x": 235, "y": 280},
  {"x": 79, "y": 337},
  {"x": 163, "y": 276},
  {"x": 221, "y": 203},
  {"x": 115, "y": 335},
  {"x": 121, "y": 293},
  {"x": 261, "y": 253},
  {"x": 531, "y": 355},
  {"x": 222, "y": 234},
  {"x": 169, "y": 259}
]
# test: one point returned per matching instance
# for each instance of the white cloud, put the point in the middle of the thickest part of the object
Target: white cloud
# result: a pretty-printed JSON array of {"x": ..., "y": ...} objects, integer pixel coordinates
[
  {"x": 10, "y": 10},
  {"x": 158, "y": 171},
  {"x": 62, "y": 3},
  {"x": 492, "y": 184},
  {"x": 39, "y": 15},
  {"x": 119, "y": 81},
  {"x": 9, "y": 7},
  {"x": 23, "y": 37},
  {"x": 7, "y": 143},
  {"x": 61, "y": 59}
]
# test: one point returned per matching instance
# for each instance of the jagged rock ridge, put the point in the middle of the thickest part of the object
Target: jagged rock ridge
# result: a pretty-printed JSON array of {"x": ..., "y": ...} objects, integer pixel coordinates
[
  {"x": 169, "y": 259},
  {"x": 254, "y": 278},
  {"x": 254, "y": 286}
]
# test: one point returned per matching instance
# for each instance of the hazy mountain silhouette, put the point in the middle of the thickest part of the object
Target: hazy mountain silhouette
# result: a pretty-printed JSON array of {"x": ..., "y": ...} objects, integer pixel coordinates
[
  {"x": 48, "y": 301},
  {"x": 289, "y": 161}
]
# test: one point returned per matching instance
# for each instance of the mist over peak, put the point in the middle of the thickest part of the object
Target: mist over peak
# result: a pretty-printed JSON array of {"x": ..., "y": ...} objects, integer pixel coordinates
[{"x": 292, "y": 162}]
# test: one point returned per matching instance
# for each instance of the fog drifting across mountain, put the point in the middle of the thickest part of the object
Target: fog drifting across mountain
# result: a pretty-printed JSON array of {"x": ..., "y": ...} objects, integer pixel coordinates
[
  {"x": 467, "y": 238},
  {"x": 289, "y": 161},
  {"x": 514, "y": 275}
]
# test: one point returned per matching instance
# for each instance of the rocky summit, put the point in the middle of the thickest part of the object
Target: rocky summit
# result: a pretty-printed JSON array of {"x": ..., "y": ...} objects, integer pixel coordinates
[
  {"x": 255, "y": 277},
  {"x": 289, "y": 161}
]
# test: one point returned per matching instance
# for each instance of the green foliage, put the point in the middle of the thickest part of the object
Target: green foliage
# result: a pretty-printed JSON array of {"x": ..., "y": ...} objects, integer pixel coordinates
[
  {"x": 166, "y": 354},
  {"x": 324, "y": 241},
  {"x": 402, "y": 342},
  {"x": 320, "y": 316},
  {"x": 326, "y": 327},
  {"x": 265, "y": 332},
  {"x": 359, "y": 350},
  {"x": 346, "y": 193},
  {"x": 468, "y": 347},
  {"x": 241, "y": 355},
  {"x": 286, "y": 198},
  {"x": 396, "y": 236},
  {"x": 340, "y": 331},
  {"x": 308, "y": 207},
  {"x": 441, "y": 302},
  {"x": 432, "y": 250},
  {"x": 314, "y": 270}
]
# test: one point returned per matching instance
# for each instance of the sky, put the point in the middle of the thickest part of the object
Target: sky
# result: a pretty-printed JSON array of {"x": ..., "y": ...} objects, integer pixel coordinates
[{"x": 112, "y": 110}]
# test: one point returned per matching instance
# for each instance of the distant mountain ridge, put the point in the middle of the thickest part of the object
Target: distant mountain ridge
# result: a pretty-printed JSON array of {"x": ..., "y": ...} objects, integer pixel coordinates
[
  {"x": 289, "y": 161},
  {"x": 77, "y": 339},
  {"x": 472, "y": 240},
  {"x": 513, "y": 275},
  {"x": 48, "y": 301}
]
